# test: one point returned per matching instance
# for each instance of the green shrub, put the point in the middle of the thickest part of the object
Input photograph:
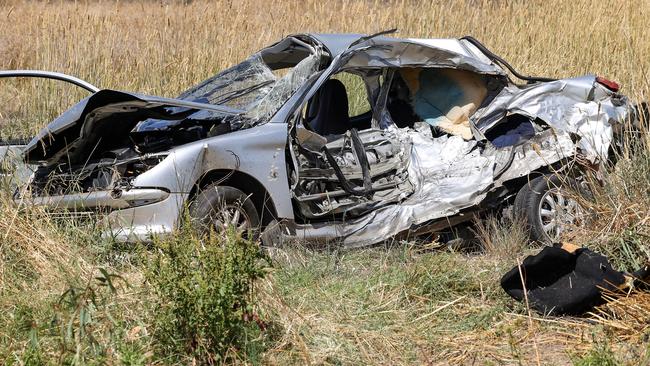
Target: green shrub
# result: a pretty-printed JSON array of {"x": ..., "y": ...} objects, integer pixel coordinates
[
  {"x": 204, "y": 304},
  {"x": 84, "y": 325}
]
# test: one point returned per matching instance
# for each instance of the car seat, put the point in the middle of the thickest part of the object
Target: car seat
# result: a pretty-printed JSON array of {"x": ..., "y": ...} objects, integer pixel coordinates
[{"x": 329, "y": 109}]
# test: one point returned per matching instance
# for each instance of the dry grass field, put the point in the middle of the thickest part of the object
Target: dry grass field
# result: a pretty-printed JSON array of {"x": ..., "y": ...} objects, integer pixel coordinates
[{"x": 397, "y": 304}]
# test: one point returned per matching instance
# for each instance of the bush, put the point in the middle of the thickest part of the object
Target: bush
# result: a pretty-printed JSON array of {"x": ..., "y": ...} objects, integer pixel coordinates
[
  {"x": 204, "y": 303},
  {"x": 83, "y": 325}
]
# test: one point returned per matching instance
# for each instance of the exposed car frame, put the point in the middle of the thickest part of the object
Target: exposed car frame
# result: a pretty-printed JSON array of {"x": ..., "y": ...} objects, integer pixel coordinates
[{"x": 138, "y": 161}]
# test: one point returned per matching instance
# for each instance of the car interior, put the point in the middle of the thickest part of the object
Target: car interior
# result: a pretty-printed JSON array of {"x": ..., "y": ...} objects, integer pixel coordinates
[
  {"x": 445, "y": 99},
  {"x": 328, "y": 111}
]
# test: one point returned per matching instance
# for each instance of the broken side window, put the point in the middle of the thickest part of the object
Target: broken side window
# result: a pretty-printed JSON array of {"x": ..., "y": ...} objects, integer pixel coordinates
[
  {"x": 400, "y": 105},
  {"x": 356, "y": 91}
]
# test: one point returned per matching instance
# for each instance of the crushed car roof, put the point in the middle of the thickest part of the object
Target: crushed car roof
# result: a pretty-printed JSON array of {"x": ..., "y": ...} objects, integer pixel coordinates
[{"x": 337, "y": 43}]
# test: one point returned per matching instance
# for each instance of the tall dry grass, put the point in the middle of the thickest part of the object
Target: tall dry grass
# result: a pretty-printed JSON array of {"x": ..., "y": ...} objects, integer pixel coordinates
[
  {"x": 34, "y": 253},
  {"x": 163, "y": 47},
  {"x": 501, "y": 237}
]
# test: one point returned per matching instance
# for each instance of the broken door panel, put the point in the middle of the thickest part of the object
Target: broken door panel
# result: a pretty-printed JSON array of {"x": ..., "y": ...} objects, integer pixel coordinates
[
  {"x": 447, "y": 174},
  {"x": 356, "y": 173},
  {"x": 542, "y": 150}
]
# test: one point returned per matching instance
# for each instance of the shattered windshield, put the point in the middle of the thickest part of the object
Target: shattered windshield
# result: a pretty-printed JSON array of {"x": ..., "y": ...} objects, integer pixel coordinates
[
  {"x": 284, "y": 88},
  {"x": 250, "y": 86},
  {"x": 240, "y": 86}
]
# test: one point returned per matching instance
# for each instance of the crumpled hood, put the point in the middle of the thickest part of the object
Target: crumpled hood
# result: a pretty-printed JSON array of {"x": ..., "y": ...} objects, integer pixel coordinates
[
  {"x": 104, "y": 119},
  {"x": 579, "y": 106}
]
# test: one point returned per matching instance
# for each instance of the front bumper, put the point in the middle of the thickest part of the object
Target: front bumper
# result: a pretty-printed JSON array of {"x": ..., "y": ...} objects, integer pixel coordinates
[
  {"x": 137, "y": 214},
  {"x": 145, "y": 222},
  {"x": 98, "y": 200}
]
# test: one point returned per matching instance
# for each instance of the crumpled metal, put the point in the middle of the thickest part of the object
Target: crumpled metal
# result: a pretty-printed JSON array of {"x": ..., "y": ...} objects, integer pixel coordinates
[
  {"x": 448, "y": 175},
  {"x": 578, "y": 105}
]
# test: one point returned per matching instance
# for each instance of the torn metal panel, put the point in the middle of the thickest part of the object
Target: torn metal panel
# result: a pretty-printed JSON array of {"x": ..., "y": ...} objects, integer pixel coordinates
[
  {"x": 542, "y": 150},
  {"x": 461, "y": 46},
  {"x": 447, "y": 174},
  {"x": 382, "y": 52},
  {"x": 579, "y": 105}
]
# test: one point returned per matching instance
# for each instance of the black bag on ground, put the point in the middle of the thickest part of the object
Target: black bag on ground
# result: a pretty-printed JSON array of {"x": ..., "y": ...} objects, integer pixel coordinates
[{"x": 559, "y": 282}]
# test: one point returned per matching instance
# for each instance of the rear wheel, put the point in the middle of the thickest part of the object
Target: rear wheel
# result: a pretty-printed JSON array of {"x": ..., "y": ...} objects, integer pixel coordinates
[
  {"x": 218, "y": 207},
  {"x": 548, "y": 208}
]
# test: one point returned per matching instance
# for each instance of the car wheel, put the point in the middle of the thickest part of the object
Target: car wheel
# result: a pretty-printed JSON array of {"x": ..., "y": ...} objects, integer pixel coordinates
[
  {"x": 548, "y": 208},
  {"x": 217, "y": 207}
]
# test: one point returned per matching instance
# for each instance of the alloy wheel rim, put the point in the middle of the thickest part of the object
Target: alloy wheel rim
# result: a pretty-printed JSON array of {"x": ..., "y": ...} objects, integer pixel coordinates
[
  {"x": 234, "y": 216},
  {"x": 557, "y": 213}
]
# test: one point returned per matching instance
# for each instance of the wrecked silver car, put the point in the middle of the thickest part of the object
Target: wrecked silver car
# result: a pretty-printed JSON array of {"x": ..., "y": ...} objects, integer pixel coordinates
[{"x": 328, "y": 138}]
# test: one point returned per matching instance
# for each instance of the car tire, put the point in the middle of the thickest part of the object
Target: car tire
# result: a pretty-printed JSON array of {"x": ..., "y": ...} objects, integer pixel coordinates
[
  {"x": 216, "y": 207},
  {"x": 546, "y": 207}
]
